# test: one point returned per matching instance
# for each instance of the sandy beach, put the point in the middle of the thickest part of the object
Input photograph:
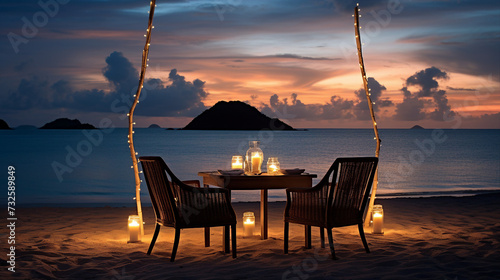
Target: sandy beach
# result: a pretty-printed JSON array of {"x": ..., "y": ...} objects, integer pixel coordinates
[{"x": 425, "y": 238}]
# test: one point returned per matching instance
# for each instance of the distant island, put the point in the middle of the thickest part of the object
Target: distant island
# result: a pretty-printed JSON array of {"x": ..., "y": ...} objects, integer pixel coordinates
[
  {"x": 4, "y": 125},
  {"x": 65, "y": 123},
  {"x": 154, "y": 126},
  {"x": 235, "y": 115},
  {"x": 417, "y": 127}
]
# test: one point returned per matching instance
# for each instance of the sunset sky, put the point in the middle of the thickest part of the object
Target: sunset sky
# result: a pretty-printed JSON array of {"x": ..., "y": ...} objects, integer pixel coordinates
[{"x": 433, "y": 63}]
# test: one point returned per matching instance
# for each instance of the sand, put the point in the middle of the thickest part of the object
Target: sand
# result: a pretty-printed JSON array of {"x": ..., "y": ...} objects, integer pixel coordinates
[{"x": 425, "y": 238}]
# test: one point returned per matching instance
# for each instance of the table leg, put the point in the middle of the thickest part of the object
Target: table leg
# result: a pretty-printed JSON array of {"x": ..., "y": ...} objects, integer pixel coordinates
[
  {"x": 263, "y": 214},
  {"x": 207, "y": 229}
]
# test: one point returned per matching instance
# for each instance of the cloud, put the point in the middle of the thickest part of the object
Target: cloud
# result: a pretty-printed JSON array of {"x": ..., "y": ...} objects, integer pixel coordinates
[
  {"x": 336, "y": 108},
  {"x": 411, "y": 109},
  {"x": 427, "y": 80},
  {"x": 179, "y": 98},
  {"x": 413, "y": 106},
  {"x": 120, "y": 72},
  {"x": 361, "y": 109},
  {"x": 176, "y": 97}
]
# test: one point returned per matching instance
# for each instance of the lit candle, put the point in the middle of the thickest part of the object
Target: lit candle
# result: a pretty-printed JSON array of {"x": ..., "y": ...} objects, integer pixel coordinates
[
  {"x": 378, "y": 219},
  {"x": 248, "y": 224},
  {"x": 237, "y": 162},
  {"x": 273, "y": 168},
  {"x": 273, "y": 165},
  {"x": 134, "y": 229},
  {"x": 256, "y": 162}
]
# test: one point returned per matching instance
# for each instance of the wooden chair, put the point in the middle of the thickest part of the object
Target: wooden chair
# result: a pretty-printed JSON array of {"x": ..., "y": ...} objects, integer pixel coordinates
[
  {"x": 178, "y": 205},
  {"x": 327, "y": 207}
]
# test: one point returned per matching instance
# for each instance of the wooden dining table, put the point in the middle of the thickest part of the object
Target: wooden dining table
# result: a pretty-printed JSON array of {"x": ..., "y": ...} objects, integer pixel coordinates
[{"x": 262, "y": 182}]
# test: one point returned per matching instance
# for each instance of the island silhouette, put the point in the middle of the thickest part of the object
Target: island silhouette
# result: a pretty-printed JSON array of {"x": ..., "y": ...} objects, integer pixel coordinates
[
  {"x": 65, "y": 123},
  {"x": 4, "y": 125},
  {"x": 235, "y": 115}
]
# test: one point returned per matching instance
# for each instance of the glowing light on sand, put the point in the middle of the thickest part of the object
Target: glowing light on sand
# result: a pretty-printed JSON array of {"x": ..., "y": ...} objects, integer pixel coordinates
[
  {"x": 248, "y": 224},
  {"x": 378, "y": 219},
  {"x": 134, "y": 228}
]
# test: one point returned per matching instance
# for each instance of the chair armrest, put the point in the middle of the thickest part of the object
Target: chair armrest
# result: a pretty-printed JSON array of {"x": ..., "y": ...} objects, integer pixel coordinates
[{"x": 192, "y": 183}]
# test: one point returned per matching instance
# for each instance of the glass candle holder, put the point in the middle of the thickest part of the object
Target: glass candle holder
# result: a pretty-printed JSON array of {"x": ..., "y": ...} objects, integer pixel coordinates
[
  {"x": 254, "y": 158},
  {"x": 134, "y": 228},
  {"x": 378, "y": 219},
  {"x": 248, "y": 224},
  {"x": 237, "y": 162},
  {"x": 273, "y": 166}
]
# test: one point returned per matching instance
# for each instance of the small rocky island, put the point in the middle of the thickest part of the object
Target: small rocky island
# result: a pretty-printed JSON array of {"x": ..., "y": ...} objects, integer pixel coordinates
[
  {"x": 4, "y": 125},
  {"x": 417, "y": 127},
  {"x": 65, "y": 123},
  {"x": 235, "y": 115},
  {"x": 154, "y": 126}
]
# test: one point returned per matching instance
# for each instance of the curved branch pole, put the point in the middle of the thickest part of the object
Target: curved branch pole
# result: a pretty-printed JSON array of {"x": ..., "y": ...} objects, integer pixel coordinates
[
  {"x": 370, "y": 104},
  {"x": 130, "y": 115}
]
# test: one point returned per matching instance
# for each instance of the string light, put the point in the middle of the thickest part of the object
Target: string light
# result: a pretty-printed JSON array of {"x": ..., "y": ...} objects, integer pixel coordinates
[{"x": 368, "y": 94}]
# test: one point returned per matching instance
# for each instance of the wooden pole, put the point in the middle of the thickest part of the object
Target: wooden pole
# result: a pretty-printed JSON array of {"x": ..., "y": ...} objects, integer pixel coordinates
[
  {"x": 370, "y": 105},
  {"x": 130, "y": 115}
]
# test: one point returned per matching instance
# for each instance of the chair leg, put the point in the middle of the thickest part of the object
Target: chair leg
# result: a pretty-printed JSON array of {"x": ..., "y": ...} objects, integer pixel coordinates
[
  {"x": 285, "y": 249},
  {"x": 322, "y": 236},
  {"x": 308, "y": 237},
  {"x": 153, "y": 241},
  {"x": 207, "y": 237},
  {"x": 225, "y": 239},
  {"x": 362, "y": 234},
  {"x": 233, "y": 240},
  {"x": 176, "y": 244},
  {"x": 330, "y": 241}
]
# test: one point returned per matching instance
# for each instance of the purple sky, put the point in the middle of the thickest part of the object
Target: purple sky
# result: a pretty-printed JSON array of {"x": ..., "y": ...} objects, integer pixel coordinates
[{"x": 433, "y": 63}]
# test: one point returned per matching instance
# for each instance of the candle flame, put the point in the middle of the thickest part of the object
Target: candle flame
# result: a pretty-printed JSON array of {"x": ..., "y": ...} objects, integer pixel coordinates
[{"x": 133, "y": 223}]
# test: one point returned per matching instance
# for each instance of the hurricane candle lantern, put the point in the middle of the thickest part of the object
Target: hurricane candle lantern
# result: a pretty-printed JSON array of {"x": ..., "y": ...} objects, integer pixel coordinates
[
  {"x": 248, "y": 224},
  {"x": 378, "y": 219},
  {"x": 254, "y": 158},
  {"x": 237, "y": 162},
  {"x": 273, "y": 165},
  {"x": 134, "y": 228}
]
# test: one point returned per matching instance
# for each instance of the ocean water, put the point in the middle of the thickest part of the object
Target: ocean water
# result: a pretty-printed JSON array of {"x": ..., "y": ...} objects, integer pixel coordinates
[{"x": 80, "y": 166}]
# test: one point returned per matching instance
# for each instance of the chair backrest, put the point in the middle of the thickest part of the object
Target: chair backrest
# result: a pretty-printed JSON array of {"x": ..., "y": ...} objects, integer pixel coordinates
[
  {"x": 349, "y": 188},
  {"x": 159, "y": 187}
]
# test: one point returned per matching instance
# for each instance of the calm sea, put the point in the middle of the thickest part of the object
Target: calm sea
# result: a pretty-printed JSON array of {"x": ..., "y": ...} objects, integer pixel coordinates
[{"x": 73, "y": 166}]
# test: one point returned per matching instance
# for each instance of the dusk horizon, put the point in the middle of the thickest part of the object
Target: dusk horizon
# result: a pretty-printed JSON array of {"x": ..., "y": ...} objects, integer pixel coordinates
[{"x": 434, "y": 64}]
